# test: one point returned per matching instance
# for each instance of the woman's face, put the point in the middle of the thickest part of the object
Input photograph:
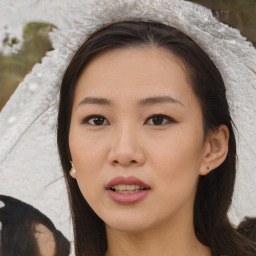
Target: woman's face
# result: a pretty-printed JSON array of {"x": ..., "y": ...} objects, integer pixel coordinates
[{"x": 136, "y": 124}]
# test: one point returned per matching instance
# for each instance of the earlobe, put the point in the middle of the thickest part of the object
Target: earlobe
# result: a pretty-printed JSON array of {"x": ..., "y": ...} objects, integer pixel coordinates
[{"x": 216, "y": 150}]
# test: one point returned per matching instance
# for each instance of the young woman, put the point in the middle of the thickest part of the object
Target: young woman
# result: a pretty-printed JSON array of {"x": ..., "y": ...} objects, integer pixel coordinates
[
  {"x": 144, "y": 120},
  {"x": 147, "y": 145}
]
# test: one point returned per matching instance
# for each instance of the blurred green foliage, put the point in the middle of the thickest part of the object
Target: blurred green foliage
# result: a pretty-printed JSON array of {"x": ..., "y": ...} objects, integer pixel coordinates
[
  {"x": 13, "y": 68},
  {"x": 240, "y": 14}
]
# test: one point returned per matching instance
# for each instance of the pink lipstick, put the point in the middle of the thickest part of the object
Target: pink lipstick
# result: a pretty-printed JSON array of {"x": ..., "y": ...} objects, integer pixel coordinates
[{"x": 127, "y": 190}]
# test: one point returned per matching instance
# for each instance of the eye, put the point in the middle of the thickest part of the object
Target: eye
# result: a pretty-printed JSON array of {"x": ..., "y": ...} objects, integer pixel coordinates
[
  {"x": 95, "y": 120},
  {"x": 159, "y": 120}
]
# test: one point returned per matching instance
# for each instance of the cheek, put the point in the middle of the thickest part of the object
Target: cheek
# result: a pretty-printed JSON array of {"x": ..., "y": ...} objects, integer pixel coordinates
[
  {"x": 86, "y": 147},
  {"x": 181, "y": 146},
  {"x": 178, "y": 158},
  {"x": 88, "y": 154}
]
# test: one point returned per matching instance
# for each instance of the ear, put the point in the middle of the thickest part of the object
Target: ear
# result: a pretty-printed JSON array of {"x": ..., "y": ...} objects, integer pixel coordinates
[
  {"x": 72, "y": 172},
  {"x": 216, "y": 149}
]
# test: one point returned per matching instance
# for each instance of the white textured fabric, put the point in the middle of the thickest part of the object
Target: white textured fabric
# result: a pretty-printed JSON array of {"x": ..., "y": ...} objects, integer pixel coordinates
[{"x": 28, "y": 121}]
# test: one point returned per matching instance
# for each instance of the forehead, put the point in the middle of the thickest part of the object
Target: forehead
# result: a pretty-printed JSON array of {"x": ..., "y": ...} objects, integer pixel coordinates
[{"x": 133, "y": 73}]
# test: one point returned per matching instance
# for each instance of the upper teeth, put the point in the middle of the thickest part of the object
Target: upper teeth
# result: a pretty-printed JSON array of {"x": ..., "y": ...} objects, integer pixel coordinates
[{"x": 123, "y": 187}]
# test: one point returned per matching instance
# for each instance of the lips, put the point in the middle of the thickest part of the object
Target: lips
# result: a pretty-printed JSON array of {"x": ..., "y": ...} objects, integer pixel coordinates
[
  {"x": 127, "y": 190},
  {"x": 126, "y": 181}
]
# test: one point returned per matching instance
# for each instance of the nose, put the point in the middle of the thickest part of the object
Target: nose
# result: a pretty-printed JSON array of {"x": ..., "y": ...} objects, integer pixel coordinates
[{"x": 126, "y": 150}]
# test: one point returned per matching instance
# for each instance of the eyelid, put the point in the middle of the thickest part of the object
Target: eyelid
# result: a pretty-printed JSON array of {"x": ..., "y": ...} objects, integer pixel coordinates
[
  {"x": 88, "y": 118},
  {"x": 170, "y": 119}
]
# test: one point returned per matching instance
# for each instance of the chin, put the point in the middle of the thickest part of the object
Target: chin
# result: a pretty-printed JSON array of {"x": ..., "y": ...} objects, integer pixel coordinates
[
  {"x": 128, "y": 225},
  {"x": 128, "y": 228}
]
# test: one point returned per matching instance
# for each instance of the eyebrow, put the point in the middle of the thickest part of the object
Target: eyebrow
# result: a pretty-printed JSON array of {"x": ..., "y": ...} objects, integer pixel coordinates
[
  {"x": 97, "y": 101},
  {"x": 160, "y": 99},
  {"x": 143, "y": 102}
]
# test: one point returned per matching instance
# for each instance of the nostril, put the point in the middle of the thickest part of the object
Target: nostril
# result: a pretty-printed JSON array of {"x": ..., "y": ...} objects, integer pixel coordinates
[{"x": 132, "y": 161}]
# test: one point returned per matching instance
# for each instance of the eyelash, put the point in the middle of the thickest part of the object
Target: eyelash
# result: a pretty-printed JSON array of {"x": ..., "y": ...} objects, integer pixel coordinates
[{"x": 165, "y": 117}]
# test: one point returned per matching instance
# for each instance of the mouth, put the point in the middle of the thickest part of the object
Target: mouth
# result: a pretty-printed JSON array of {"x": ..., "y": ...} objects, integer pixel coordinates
[
  {"x": 127, "y": 184},
  {"x": 127, "y": 190}
]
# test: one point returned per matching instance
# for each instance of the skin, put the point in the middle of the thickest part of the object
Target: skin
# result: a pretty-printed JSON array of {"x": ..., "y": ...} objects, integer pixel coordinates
[{"x": 169, "y": 157}]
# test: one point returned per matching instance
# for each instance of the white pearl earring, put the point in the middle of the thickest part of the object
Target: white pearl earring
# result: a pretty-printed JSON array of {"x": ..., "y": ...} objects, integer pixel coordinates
[{"x": 73, "y": 170}]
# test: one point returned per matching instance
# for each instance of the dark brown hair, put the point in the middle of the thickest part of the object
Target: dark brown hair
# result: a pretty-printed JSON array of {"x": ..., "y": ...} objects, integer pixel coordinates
[
  {"x": 248, "y": 228},
  {"x": 17, "y": 236},
  {"x": 214, "y": 192}
]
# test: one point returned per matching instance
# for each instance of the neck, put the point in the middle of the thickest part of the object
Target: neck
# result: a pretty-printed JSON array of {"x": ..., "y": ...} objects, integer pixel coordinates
[{"x": 180, "y": 240}]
